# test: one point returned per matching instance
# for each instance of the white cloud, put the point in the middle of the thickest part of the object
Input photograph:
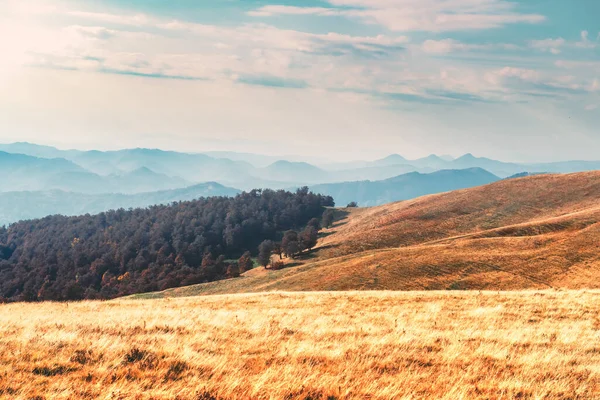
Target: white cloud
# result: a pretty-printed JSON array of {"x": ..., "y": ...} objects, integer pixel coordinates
[
  {"x": 450, "y": 45},
  {"x": 585, "y": 42},
  {"x": 444, "y": 46},
  {"x": 131, "y": 20},
  {"x": 380, "y": 67},
  {"x": 269, "y": 11},
  {"x": 416, "y": 15},
  {"x": 524, "y": 74},
  {"x": 551, "y": 45}
]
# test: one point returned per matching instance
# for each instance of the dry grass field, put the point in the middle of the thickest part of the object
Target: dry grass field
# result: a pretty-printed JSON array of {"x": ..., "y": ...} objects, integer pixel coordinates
[{"x": 337, "y": 345}]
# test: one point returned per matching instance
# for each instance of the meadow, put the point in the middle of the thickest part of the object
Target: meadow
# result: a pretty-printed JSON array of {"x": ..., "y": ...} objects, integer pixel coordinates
[{"x": 313, "y": 345}]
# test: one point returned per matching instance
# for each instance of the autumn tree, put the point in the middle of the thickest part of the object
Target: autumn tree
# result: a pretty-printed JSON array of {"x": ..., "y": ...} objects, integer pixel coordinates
[
  {"x": 233, "y": 270},
  {"x": 245, "y": 262},
  {"x": 308, "y": 237},
  {"x": 290, "y": 244}
]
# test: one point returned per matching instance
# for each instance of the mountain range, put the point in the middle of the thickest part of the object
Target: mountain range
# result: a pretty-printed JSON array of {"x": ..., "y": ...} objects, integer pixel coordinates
[
  {"x": 108, "y": 177},
  {"x": 404, "y": 187}
]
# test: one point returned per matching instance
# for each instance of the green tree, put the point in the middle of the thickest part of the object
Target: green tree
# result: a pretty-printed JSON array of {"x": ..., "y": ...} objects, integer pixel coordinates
[
  {"x": 265, "y": 249},
  {"x": 327, "y": 218}
]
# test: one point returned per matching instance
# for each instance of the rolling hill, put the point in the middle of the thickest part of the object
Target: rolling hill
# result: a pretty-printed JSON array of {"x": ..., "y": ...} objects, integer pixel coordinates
[
  {"x": 535, "y": 232},
  {"x": 404, "y": 187}
]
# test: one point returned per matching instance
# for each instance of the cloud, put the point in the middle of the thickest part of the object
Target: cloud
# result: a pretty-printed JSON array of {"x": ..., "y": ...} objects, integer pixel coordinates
[
  {"x": 415, "y": 15},
  {"x": 530, "y": 82},
  {"x": 450, "y": 45},
  {"x": 258, "y": 54},
  {"x": 524, "y": 74},
  {"x": 581, "y": 65},
  {"x": 585, "y": 42},
  {"x": 551, "y": 45},
  {"x": 129, "y": 20},
  {"x": 555, "y": 46},
  {"x": 272, "y": 10},
  {"x": 94, "y": 32}
]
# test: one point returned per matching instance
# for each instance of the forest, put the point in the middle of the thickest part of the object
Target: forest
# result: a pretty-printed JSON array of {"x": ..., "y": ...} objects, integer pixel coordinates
[{"x": 122, "y": 252}]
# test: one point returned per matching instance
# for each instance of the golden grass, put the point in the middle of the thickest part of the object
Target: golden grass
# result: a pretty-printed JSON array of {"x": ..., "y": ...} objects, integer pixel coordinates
[{"x": 338, "y": 345}]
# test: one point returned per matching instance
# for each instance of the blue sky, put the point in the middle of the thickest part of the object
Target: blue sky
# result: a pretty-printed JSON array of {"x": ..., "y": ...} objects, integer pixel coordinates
[{"x": 346, "y": 79}]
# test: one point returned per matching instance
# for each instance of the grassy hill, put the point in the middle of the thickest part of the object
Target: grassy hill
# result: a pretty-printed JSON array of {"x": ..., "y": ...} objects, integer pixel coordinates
[
  {"x": 320, "y": 346},
  {"x": 534, "y": 232}
]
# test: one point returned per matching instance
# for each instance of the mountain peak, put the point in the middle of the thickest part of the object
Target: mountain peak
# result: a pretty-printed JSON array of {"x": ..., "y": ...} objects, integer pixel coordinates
[
  {"x": 393, "y": 157},
  {"x": 468, "y": 156}
]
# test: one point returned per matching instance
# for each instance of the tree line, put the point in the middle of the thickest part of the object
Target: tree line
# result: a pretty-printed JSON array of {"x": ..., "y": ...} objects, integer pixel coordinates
[{"x": 123, "y": 252}]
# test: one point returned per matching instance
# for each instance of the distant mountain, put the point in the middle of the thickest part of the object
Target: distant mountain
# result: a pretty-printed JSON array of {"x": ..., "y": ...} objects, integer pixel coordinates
[
  {"x": 564, "y": 166},
  {"x": 404, "y": 187},
  {"x": 392, "y": 159},
  {"x": 26, "y": 173},
  {"x": 143, "y": 170},
  {"x": 293, "y": 172},
  {"x": 524, "y": 174},
  {"x": 16, "y": 206},
  {"x": 36, "y": 150},
  {"x": 191, "y": 167},
  {"x": 259, "y": 160},
  {"x": 425, "y": 164},
  {"x": 375, "y": 173},
  {"x": 21, "y": 172},
  {"x": 432, "y": 162},
  {"x": 144, "y": 180},
  {"x": 499, "y": 168}
]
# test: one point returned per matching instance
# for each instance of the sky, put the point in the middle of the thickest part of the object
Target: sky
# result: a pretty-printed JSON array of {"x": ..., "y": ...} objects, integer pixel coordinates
[{"x": 337, "y": 79}]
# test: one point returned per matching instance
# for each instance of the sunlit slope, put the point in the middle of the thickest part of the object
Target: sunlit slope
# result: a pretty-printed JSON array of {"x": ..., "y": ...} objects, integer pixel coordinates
[
  {"x": 501, "y": 204},
  {"x": 533, "y": 232},
  {"x": 299, "y": 346}
]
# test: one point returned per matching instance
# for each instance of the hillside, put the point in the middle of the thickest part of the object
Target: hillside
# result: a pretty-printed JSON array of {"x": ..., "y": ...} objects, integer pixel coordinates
[
  {"x": 299, "y": 346},
  {"x": 17, "y": 206},
  {"x": 121, "y": 252},
  {"x": 404, "y": 187},
  {"x": 534, "y": 232}
]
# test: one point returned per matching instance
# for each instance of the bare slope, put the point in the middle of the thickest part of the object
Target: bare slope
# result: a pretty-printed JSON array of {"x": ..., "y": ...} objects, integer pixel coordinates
[{"x": 533, "y": 232}]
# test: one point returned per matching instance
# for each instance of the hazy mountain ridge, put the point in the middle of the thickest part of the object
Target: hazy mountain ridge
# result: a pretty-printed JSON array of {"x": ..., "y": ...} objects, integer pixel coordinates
[
  {"x": 34, "y": 168},
  {"x": 404, "y": 187},
  {"x": 17, "y": 206},
  {"x": 248, "y": 171}
]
